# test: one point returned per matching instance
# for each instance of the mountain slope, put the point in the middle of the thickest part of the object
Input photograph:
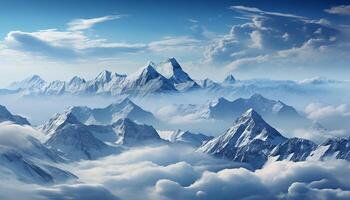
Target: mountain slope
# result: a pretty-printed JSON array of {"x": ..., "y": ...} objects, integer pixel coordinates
[
  {"x": 338, "y": 148},
  {"x": 5, "y": 115},
  {"x": 224, "y": 109},
  {"x": 147, "y": 81},
  {"x": 74, "y": 140},
  {"x": 34, "y": 83},
  {"x": 110, "y": 114},
  {"x": 27, "y": 159},
  {"x": 130, "y": 133},
  {"x": 188, "y": 138},
  {"x": 249, "y": 140}
]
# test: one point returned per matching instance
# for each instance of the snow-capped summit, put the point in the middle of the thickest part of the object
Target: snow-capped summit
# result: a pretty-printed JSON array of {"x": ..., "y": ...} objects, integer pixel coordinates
[
  {"x": 230, "y": 79},
  {"x": 104, "y": 76},
  {"x": 188, "y": 138},
  {"x": 225, "y": 109},
  {"x": 130, "y": 133},
  {"x": 34, "y": 82},
  {"x": 248, "y": 140},
  {"x": 110, "y": 114},
  {"x": 57, "y": 121},
  {"x": 147, "y": 81},
  {"x": 172, "y": 70},
  {"x": 5, "y": 115}
]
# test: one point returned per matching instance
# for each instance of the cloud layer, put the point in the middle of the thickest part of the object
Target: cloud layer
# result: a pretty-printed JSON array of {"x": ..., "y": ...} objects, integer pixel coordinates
[{"x": 180, "y": 173}]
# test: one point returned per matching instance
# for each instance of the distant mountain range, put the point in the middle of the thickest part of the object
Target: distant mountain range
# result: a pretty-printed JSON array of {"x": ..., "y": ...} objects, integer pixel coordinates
[
  {"x": 162, "y": 78},
  {"x": 165, "y": 77}
]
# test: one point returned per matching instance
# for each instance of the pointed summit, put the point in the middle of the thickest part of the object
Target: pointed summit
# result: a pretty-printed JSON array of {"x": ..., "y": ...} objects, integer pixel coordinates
[
  {"x": 132, "y": 134},
  {"x": 230, "y": 79},
  {"x": 76, "y": 80},
  {"x": 34, "y": 82},
  {"x": 249, "y": 140},
  {"x": 169, "y": 67},
  {"x": 172, "y": 70},
  {"x": 104, "y": 76}
]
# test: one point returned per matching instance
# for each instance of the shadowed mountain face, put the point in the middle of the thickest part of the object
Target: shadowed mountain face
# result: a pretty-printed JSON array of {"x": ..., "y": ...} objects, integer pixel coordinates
[{"x": 5, "y": 115}]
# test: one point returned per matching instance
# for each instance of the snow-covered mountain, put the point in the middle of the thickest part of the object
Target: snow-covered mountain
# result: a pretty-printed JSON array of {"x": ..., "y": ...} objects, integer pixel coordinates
[
  {"x": 293, "y": 149},
  {"x": 110, "y": 114},
  {"x": 249, "y": 140},
  {"x": 147, "y": 81},
  {"x": 188, "y": 138},
  {"x": 225, "y": 109},
  {"x": 172, "y": 70},
  {"x": 35, "y": 83},
  {"x": 74, "y": 140},
  {"x": 85, "y": 133},
  {"x": 130, "y": 133},
  {"x": 338, "y": 148},
  {"x": 229, "y": 80},
  {"x": 5, "y": 115},
  {"x": 253, "y": 141}
]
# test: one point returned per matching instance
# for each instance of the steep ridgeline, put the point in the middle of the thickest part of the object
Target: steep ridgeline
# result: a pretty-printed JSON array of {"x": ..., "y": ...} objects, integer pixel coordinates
[
  {"x": 75, "y": 140},
  {"x": 172, "y": 70},
  {"x": 5, "y": 115},
  {"x": 188, "y": 138},
  {"x": 110, "y": 114},
  {"x": 249, "y": 140},
  {"x": 32, "y": 83},
  {"x": 165, "y": 77},
  {"x": 253, "y": 141}
]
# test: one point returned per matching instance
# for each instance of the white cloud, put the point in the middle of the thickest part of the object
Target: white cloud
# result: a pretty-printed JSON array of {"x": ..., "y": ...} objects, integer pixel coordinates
[
  {"x": 272, "y": 39},
  {"x": 259, "y": 11},
  {"x": 318, "y": 111},
  {"x": 180, "y": 173},
  {"x": 83, "y": 24},
  {"x": 181, "y": 43},
  {"x": 192, "y": 20},
  {"x": 339, "y": 10},
  {"x": 256, "y": 39}
]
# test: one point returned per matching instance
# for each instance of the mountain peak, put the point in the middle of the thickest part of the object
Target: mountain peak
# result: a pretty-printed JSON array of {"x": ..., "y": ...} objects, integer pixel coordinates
[
  {"x": 77, "y": 80},
  {"x": 230, "y": 79},
  {"x": 257, "y": 96},
  {"x": 104, "y": 76},
  {"x": 34, "y": 77},
  {"x": 250, "y": 114},
  {"x": 173, "y": 61}
]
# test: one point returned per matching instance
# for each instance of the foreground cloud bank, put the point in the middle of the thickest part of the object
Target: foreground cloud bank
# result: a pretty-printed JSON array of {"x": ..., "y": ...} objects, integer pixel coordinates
[{"x": 179, "y": 173}]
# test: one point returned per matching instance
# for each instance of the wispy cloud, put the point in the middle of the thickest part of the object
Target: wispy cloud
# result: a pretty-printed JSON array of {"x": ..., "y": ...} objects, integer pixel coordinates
[
  {"x": 262, "y": 12},
  {"x": 192, "y": 20},
  {"x": 339, "y": 10},
  {"x": 83, "y": 24}
]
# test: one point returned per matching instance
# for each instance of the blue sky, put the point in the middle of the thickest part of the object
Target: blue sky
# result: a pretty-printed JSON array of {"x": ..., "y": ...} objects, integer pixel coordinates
[{"x": 251, "y": 39}]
